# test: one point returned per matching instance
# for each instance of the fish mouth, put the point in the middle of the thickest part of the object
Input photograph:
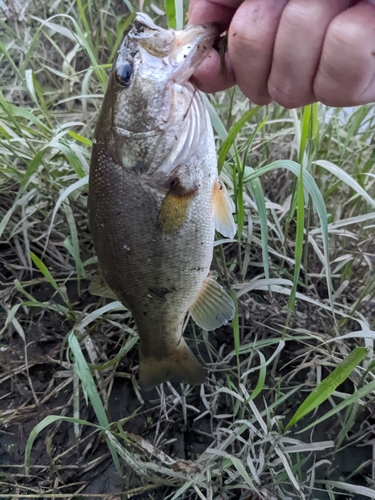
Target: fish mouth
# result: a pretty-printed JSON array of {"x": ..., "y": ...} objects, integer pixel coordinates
[
  {"x": 182, "y": 50},
  {"x": 193, "y": 43}
]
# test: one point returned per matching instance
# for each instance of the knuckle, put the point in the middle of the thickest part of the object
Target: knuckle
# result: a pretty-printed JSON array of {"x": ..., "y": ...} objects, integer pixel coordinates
[
  {"x": 284, "y": 100},
  {"x": 345, "y": 66},
  {"x": 296, "y": 13},
  {"x": 258, "y": 99},
  {"x": 284, "y": 94},
  {"x": 254, "y": 43},
  {"x": 330, "y": 93},
  {"x": 254, "y": 90},
  {"x": 344, "y": 32}
]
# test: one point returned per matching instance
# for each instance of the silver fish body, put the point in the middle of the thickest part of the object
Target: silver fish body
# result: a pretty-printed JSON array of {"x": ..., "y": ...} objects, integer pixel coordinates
[{"x": 155, "y": 197}]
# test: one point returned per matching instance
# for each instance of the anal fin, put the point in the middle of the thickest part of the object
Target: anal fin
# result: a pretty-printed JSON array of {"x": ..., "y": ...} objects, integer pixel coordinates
[
  {"x": 223, "y": 208},
  {"x": 213, "y": 307},
  {"x": 100, "y": 288}
]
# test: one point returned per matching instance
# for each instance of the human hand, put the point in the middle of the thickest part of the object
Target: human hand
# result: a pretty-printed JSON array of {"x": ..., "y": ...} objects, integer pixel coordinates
[{"x": 294, "y": 52}]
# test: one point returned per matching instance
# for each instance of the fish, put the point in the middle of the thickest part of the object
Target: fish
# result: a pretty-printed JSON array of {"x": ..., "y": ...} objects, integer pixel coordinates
[{"x": 155, "y": 197}]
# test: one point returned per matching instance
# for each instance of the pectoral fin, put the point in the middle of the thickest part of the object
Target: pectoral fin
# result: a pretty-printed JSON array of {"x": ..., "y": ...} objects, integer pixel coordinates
[
  {"x": 223, "y": 209},
  {"x": 99, "y": 287},
  {"x": 173, "y": 212},
  {"x": 174, "y": 207},
  {"x": 213, "y": 306}
]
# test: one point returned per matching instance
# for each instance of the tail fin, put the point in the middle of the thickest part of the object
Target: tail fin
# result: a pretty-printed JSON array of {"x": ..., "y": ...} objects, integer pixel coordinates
[{"x": 181, "y": 365}]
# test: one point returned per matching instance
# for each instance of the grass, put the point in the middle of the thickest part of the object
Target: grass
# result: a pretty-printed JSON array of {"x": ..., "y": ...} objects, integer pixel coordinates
[{"x": 291, "y": 382}]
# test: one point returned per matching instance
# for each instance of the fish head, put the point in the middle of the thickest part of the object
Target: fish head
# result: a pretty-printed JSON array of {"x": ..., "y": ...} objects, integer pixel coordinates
[{"x": 151, "y": 63}]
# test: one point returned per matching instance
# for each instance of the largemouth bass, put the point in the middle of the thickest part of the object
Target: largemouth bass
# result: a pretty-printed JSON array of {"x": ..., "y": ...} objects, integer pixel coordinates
[{"x": 155, "y": 198}]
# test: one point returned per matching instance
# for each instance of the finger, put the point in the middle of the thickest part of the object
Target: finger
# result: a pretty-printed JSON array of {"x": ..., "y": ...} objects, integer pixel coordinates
[
  {"x": 298, "y": 45},
  {"x": 251, "y": 39},
  {"x": 218, "y": 11},
  {"x": 210, "y": 76},
  {"x": 346, "y": 74}
]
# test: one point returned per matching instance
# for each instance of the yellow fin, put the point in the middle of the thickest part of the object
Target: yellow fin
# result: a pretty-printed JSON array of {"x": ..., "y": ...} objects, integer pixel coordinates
[
  {"x": 173, "y": 212},
  {"x": 223, "y": 209},
  {"x": 99, "y": 287},
  {"x": 181, "y": 365},
  {"x": 213, "y": 307},
  {"x": 174, "y": 207}
]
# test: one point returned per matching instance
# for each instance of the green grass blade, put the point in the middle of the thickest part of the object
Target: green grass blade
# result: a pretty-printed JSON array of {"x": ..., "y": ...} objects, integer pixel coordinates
[
  {"x": 88, "y": 384},
  {"x": 215, "y": 119},
  {"x": 90, "y": 390},
  {"x": 353, "y": 398},
  {"x": 31, "y": 169},
  {"x": 236, "y": 326},
  {"x": 179, "y": 7},
  {"x": 44, "y": 270},
  {"x": 122, "y": 26},
  {"x": 262, "y": 376},
  {"x": 83, "y": 18},
  {"x": 80, "y": 138},
  {"x": 309, "y": 129},
  {"x": 78, "y": 37},
  {"x": 237, "y": 177},
  {"x": 347, "y": 179},
  {"x": 298, "y": 251},
  {"x": 129, "y": 5},
  {"x": 232, "y": 134},
  {"x": 73, "y": 246},
  {"x": 63, "y": 196},
  {"x": 9, "y": 58},
  {"x": 35, "y": 91},
  {"x": 325, "y": 389},
  {"x": 318, "y": 201},
  {"x": 359, "y": 491},
  {"x": 241, "y": 469},
  {"x": 170, "y": 12},
  {"x": 42, "y": 425},
  {"x": 262, "y": 212}
]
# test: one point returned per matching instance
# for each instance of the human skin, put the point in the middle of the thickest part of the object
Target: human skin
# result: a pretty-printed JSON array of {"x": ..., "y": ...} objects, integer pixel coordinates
[{"x": 294, "y": 52}]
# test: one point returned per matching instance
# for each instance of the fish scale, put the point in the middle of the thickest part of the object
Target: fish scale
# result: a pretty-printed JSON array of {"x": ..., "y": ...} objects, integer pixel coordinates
[{"x": 154, "y": 204}]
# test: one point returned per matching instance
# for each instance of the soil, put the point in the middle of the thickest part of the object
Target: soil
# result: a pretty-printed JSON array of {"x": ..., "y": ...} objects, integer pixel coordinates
[{"x": 62, "y": 464}]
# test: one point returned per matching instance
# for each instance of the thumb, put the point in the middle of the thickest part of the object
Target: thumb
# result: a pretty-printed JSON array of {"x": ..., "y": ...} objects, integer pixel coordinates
[{"x": 217, "y": 11}]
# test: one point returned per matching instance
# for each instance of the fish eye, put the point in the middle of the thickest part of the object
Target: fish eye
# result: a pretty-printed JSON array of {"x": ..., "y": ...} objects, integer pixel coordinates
[{"x": 123, "y": 74}]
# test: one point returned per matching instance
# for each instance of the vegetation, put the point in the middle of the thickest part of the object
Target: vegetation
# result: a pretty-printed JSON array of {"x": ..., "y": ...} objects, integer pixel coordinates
[{"x": 287, "y": 410}]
